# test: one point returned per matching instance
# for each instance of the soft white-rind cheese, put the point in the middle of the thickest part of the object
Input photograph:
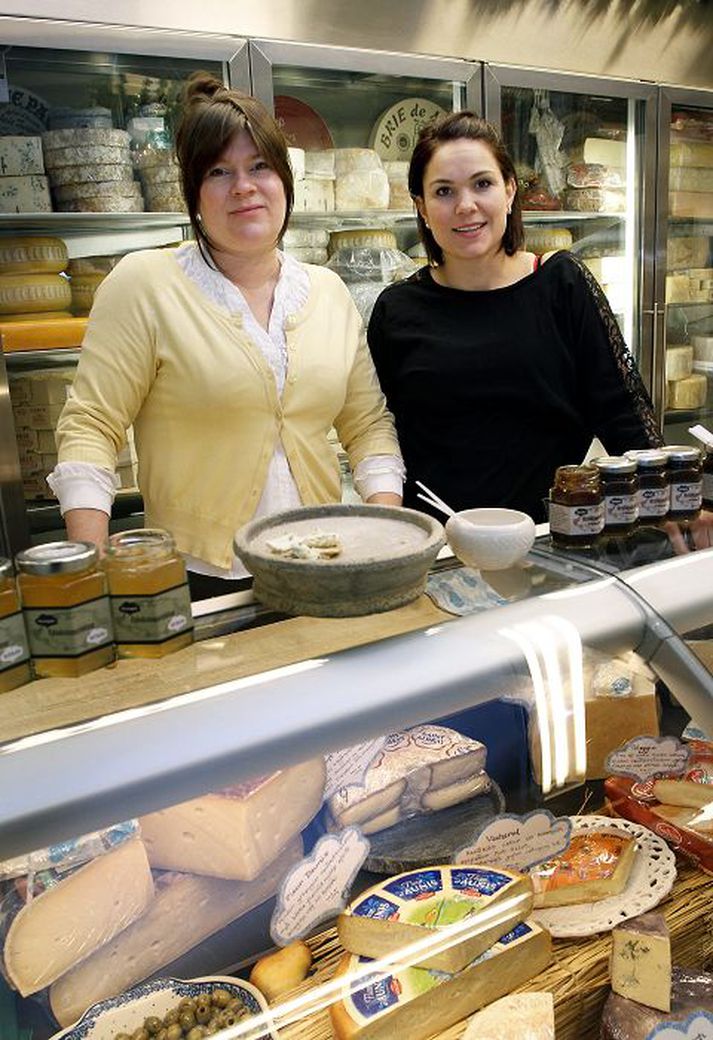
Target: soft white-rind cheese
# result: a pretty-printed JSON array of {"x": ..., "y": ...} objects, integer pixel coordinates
[{"x": 525, "y": 1016}]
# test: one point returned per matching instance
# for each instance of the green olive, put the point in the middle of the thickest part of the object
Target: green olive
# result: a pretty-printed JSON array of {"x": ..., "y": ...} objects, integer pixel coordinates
[
  {"x": 187, "y": 1019},
  {"x": 211, "y": 1029},
  {"x": 203, "y": 1011},
  {"x": 162, "y": 1034},
  {"x": 197, "y": 1033},
  {"x": 122, "y": 1036},
  {"x": 171, "y": 1017},
  {"x": 140, "y": 1034},
  {"x": 186, "y": 1002},
  {"x": 152, "y": 1025},
  {"x": 221, "y": 997},
  {"x": 174, "y": 1031}
]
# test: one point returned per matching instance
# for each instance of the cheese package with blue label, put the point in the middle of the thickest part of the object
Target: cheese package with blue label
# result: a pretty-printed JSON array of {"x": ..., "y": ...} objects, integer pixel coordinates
[
  {"x": 433, "y": 901},
  {"x": 418, "y": 1002}
]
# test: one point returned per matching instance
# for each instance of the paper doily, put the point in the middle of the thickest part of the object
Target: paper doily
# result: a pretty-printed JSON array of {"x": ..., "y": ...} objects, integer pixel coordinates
[{"x": 653, "y": 873}]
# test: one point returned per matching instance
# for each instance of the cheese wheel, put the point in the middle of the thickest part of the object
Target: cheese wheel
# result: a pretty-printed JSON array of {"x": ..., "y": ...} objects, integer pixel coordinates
[
  {"x": 362, "y": 238},
  {"x": 302, "y": 237},
  {"x": 314, "y": 195},
  {"x": 98, "y": 172},
  {"x": 541, "y": 240},
  {"x": 320, "y": 163},
  {"x": 87, "y": 154},
  {"x": 28, "y": 293},
  {"x": 84, "y": 136},
  {"x": 92, "y": 264},
  {"x": 679, "y": 362},
  {"x": 351, "y": 160},
  {"x": 32, "y": 255},
  {"x": 361, "y": 189},
  {"x": 308, "y": 254},
  {"x": 102, "y": 204},
  {"x": 164, "y": 174},
  {"x": 83, "y": 287},
  {"x": 98, "y": 189}
]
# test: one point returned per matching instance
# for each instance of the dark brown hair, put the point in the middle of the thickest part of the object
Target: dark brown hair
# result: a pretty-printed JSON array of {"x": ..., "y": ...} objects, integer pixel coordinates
[
  {"x": 454, "y": 127},
  {"x": 212, "y": 115}
]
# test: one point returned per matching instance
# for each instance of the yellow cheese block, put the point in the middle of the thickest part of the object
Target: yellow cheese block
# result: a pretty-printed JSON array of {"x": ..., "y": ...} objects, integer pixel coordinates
[
  {"x": 25, "y": 293},
  {"x": 32, "y": 255},
  {"x": 39, "y": 316},
  {"x": 687, "y": 393},
  {"x": 436, "y": 902}
]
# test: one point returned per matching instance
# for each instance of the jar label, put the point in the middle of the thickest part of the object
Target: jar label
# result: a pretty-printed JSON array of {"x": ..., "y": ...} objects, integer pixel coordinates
[
  {"x": 152, "y": 619},
  {"x": 686, "y": 498},
  {"x": 14, "y": 649},
  {"x": 620, "y": 510},
  {"x": 654, "y": 502},
  {"x": 69, "y": 631},
  {"x": 576, "y": 520},
  {"x": 708, "y": 488}
]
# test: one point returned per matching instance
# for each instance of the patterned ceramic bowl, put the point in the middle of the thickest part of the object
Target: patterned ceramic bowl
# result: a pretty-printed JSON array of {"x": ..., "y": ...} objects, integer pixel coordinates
[
  {"x": 126, "y": 1013},
  {"x": 490, "y": 539}
]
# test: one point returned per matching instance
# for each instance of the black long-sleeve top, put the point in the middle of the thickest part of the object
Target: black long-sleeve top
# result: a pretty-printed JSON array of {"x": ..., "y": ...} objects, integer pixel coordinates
[{"x": 493, "y": 390}]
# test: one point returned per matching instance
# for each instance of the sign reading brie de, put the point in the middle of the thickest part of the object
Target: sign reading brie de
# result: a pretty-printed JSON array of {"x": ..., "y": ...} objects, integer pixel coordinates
[
  {"x": 519, "y": 842},
  {"x": 646, "y": 757}
]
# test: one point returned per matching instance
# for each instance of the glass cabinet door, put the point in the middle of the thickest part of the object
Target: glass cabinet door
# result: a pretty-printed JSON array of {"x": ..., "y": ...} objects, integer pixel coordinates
[
  {"x": 685, "y": 266},
  {"x": 583, "y": 152}
]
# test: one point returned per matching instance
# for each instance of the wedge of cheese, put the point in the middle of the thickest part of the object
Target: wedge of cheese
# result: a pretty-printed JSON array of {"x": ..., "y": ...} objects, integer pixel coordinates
[
  {"x": 683, "y": 792},
  {"x": 415, "y": 1003},
  {"x": 640, "y": 962},
  {"x": 236, "y": 832},
  {"x": 69, "y": 921},
  {"x": 594, "y": 866},
  {"x": 186, "y": 910},
  {"x": 411, "y": 906},
  {"x": 527, "y": 1016}
]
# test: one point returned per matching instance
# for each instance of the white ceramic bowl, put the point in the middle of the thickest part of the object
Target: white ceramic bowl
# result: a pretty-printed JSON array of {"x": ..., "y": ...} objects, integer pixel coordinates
[
  {"x": 490, "y": 539},
  {"x": 126, "y": 1012}
]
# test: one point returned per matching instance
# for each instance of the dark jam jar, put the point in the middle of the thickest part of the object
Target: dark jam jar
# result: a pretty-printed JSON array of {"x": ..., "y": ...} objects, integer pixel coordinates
[
  {"x": 620, "y": 485},
  {"x": 576, "y": 507},
  {"x": 708, "y": 478},
  {"x": 654, "y": 486},
  {"x": 686, "y": 478}
]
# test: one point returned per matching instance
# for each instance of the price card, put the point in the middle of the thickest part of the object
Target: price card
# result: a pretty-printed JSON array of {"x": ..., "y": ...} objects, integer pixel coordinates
[
  {"x": 519, "y": 842},
  {"x": 698, "y": 1026},
  {"x": 644, "y": 758},
  {"x": 347, "y": 767},
  {"x": 317, "y": 888}
]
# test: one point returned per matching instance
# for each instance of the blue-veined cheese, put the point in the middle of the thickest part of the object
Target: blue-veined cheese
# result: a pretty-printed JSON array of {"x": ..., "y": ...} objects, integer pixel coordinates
[
  {"x": 24, "y": 195},
  {"x": 640, "y": 962},
  {"x": 20, "y": 156}
]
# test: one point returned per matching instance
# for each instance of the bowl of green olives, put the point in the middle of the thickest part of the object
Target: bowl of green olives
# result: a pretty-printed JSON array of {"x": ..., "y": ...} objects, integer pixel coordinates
[{"x": 177, "y": 1009}]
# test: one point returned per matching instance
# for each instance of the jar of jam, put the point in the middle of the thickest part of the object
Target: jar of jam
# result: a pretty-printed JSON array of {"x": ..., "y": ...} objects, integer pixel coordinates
[
  {"x": 150, "y": 603},
  {"x": 66, "y": 608},
  {"x": 14, "y": 650},
  {"x": 576, "y": 506},
  {"x": 708, "y": 478},
  {"x": 620, "y": 485},
  {"x": 686, "y": 478},
  {"x": 654, "y": 486}
]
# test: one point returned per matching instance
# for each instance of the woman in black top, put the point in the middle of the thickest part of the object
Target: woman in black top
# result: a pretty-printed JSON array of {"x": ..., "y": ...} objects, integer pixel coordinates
[{"x": 497, "y": 368}]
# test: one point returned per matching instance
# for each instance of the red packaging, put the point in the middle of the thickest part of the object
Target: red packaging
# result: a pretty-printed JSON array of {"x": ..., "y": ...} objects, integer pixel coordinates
[{"x": 634, "y": 800}]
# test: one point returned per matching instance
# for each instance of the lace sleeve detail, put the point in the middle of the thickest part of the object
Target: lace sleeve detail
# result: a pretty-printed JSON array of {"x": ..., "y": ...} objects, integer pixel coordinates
[{"x": 623, "y": 358}]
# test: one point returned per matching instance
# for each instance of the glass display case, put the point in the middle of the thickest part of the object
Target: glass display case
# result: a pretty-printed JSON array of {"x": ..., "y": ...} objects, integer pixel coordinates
[{"x": 685, "y": 267}]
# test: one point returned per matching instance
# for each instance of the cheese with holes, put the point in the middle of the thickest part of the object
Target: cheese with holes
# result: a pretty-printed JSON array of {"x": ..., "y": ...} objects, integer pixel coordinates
[
  {"x": 679, "y": 362},
  {"x": 70, "y": 920},
  {"x": 519, "y": 1016},
  {"x": 186, "y": 909},
  {"x": 84, "y": 137},
  {"x": 691, "y": 153},
  {"x": 687, "y": 393},
  {"x": 428, "y": 902},
  {"x": 99, "y": 173},
  {"x": 640, "y": 962},
  {"x": 361, "y": 189},
  {"x": 314, "y": 195},
  {"x": 417, "y": 1002},
  {"x": 32, "y": 255},
  {"x": 20, "y": 156},
  {"x": 33, "y": 292},
  {"x": 595, "y": 865},
  {"x": 236, "y": 832},
  {"x": 24, "y": 195}
]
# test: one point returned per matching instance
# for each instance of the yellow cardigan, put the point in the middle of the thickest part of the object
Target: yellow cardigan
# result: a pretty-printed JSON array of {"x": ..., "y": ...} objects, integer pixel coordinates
[{"x": 204, "y": 404}]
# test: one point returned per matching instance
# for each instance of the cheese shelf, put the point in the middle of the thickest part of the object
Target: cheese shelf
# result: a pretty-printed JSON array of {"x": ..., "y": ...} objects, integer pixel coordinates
[{"x": 83, "y": 223}]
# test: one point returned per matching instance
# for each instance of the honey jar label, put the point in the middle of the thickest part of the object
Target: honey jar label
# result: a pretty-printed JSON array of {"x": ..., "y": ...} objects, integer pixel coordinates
[
  {"x": 13, "y": 641},
  {"x": 154, "y": 618},
  {"x": 576, "y": 520},
  {"x": 686, "y": 498},
  {"x": 69, "y": 631},
  {"x": 620, "y": 510},
  {"x": 653, "y": 502}
]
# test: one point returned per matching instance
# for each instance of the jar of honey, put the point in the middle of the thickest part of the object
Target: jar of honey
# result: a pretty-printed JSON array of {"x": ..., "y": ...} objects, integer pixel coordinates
[
  {"x": 620, "y": 485},
  {"x": 14, "y": 650},
  {"x": 66, "y": 608},
  {"x": 686, "y": 477},
  {"x": 148, "y": 590},
  {"x": 654, "y": 486},
  {"x": 576, "y": 507},
  {"x": 708, "y": 478}
]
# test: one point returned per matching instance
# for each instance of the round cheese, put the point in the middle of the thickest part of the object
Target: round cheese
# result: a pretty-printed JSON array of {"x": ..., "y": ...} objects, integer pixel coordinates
[
  {"x": 170, "y": 203},
  {"x": 679, "y": 362},
  {"x": 86, "y": 154},
  {"x": 92, "y": 265},
  {"x": 301, "y": 237},
  {"x": 351, "y": 160},
  {"x": 102, "y": 204},
  {"x": 100, "y": 172},
  {"x": 320, "y": 164},
  {"x": 32, "y": 255},
  {"x": 84, "y": 136},
  {"x": 361, "y": 189},
  {"x": 362, "y": 238},
  {"x": 28, "y": 293},
  {"x": 98, "y": 189},
  {"x": 313, "y": 195},
  {"x": 83, "y": 288},
  {"x": 297, "y": 162},
  {"x": 161, "y": 174},
  {"x": 308, "y": 254},
  {"x": 542, "y": 240}
]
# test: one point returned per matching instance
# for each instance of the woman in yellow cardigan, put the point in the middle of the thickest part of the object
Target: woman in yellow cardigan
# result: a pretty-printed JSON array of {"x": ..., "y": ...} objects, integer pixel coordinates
[{"x": 231, "y": 359}]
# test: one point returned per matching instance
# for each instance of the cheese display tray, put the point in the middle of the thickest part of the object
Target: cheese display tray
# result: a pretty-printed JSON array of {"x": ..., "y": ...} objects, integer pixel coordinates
[
  {"x": 384, "y": 555},
  {"x": 652, "y": 876},
  {"x": 432, "y": 838}
]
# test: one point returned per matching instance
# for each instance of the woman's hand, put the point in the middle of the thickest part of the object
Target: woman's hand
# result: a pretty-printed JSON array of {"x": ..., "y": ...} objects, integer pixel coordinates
[
  {"x": 695, "y": 534},
  {"x": 384, "y": 498},
  {"x": 87, "y": 525}
]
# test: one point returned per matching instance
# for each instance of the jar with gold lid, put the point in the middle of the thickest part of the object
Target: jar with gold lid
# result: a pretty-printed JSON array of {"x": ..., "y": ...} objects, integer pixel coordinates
[
  {"x": 686, "y": 479},
  {"x": 148, "y": 590},
  {"x": 620, "y": 485},
  {"x": 576, "y": 506},
  {"x": 654, "y": 485},
  {"x": 14, "y": 650},
  {"x": 66, "y": 608}
]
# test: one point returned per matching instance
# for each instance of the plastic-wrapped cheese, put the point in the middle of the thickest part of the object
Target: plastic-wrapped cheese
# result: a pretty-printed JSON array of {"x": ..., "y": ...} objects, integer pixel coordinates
[
  {"x": 314, "y": 195},
  {"x": 361, "y": 189},
  {"x": 32, "y": 255},
  {"x": 594, "y": 175},
  {"x": 595, "y": 200},
  {"x": 688, "y": 393},
  {"x": 542, "y": 240},
  {"x": 679, "y": 362},
  {"x": 26, "y": 293}
]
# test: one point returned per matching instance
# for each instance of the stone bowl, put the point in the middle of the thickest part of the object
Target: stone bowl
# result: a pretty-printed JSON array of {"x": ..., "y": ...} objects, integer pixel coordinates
[
  {"x": 386, "y": 553},
  {"x": 490, "y": 539}
]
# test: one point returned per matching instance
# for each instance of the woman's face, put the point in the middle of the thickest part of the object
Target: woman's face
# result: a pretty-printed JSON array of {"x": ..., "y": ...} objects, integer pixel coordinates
[
  {"x": 465, "y": 200},
  {"x": 242, "y": 201}
]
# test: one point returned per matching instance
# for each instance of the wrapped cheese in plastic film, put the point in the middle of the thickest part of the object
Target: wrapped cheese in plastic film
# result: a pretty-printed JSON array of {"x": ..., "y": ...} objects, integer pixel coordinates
[
  {"x": 64, "y": 903},
  {"x": 624, "y": 1019},
  {"x": 367, "y": 259},
  {"x": 417, "y": 771}
]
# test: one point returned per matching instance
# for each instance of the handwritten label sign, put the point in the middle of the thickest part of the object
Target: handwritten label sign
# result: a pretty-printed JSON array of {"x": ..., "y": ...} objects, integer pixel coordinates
[
  {"x": 317, "y": 888},
  {"x": 698, "y": 1026},
  {"x": 645, "y": 757},
  {"x": 348, "y": 766},
  {"x": 519, "y": 842}
]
